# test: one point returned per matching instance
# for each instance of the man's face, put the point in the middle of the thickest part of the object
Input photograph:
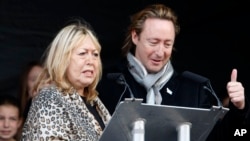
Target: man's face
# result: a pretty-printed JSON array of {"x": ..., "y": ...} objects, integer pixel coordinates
[{"x": 155, "y": 44}]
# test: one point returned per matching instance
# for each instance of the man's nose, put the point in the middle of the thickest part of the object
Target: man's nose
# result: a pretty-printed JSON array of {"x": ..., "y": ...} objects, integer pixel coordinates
[{"x": 159, "y": 50}]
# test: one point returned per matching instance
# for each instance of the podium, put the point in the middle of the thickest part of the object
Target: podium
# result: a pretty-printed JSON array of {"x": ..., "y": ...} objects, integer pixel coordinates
[{"x": 137, "y": 121}]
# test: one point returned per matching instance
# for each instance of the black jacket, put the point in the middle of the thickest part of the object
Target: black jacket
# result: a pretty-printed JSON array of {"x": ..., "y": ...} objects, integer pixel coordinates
[{"x": 183, "y": 89}]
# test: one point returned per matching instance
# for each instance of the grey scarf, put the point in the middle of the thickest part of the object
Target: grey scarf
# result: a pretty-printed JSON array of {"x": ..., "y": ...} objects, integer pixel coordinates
[{"x": 152, "y": 82}]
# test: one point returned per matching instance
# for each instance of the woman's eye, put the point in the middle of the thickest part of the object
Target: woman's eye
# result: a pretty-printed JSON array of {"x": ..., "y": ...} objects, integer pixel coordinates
[
  {"x": 13, "y": 119},
  {"x": 96, "y": 54},
  {"x": 82, "y": 53}
]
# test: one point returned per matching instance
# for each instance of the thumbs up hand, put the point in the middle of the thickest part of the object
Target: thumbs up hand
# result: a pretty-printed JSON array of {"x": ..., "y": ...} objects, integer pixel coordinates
[{"x": 235, "y": 91}]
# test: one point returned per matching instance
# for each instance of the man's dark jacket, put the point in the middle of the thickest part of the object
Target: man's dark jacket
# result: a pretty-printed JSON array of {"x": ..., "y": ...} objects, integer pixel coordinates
[{"x": 185, "y": 89}]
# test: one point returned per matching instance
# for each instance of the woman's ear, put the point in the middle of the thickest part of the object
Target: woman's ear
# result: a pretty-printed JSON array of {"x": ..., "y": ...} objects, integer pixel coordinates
[{"x": 20, "y": 122}]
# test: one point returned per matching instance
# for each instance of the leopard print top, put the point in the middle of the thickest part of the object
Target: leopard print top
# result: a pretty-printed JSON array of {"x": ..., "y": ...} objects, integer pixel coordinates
[{"x": 53, "y": 116}]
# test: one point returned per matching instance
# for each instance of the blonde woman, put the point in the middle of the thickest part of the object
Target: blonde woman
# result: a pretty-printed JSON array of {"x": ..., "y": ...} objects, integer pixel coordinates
[{"x": 66, "y": 106}]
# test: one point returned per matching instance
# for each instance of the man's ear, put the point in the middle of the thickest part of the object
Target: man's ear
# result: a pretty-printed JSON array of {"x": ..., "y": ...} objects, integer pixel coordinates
[{"x": 134, "y": 37}]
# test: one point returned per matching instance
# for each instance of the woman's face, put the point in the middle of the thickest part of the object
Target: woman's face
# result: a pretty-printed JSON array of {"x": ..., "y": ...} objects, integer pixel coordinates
[
  {"x": 32, "y": 76},
  {"x": 84, "y": 64},
  {"x": 9, "y": 121}
]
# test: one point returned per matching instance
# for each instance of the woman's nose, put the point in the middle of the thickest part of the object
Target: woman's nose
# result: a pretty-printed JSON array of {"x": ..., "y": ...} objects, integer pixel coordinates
[
  {"x": 6, "y": 123},
  {"x": 89, "y": 59}
]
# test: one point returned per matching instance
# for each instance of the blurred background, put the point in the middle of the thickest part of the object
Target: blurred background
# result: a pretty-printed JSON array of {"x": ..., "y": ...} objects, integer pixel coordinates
[{"x": 214, "y": 35}]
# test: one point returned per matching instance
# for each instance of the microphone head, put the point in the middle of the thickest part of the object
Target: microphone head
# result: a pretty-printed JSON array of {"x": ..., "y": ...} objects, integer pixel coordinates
[
  {"x": 118, "y": 77},
  {"x": 113, "y": 76},
  {"x": 195, "y": 77}
]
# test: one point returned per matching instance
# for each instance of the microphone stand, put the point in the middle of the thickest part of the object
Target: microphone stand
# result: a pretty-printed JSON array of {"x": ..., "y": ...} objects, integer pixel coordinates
[{"x": 120, "y": 79}]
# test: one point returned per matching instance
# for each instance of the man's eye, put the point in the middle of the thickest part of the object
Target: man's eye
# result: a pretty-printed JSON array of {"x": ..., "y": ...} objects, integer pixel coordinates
[
  {"x": 168, "y": 45},
  {"x": 153, "y": 43}
]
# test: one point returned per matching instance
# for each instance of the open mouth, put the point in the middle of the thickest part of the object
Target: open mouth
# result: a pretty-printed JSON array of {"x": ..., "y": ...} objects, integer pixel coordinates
[{"x": 88, "y": 72}]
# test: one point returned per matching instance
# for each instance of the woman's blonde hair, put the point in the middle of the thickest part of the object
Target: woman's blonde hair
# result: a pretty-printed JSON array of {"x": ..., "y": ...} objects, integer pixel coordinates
[{"x": 58, "y": 56}]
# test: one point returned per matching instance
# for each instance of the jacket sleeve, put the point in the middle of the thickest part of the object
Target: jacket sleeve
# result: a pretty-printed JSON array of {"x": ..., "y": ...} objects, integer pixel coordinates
[
  {"x": 45, "y": 119},
  {"x": 225, "y": 128}
]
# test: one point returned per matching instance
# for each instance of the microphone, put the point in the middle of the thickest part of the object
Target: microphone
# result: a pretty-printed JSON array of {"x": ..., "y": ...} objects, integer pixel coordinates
[
  {"x": 201, "y": 79},
  {"x": 210, "y": 89},
  {"x": 120, "y": 79},
  {"x": 194, "y": 77}
]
